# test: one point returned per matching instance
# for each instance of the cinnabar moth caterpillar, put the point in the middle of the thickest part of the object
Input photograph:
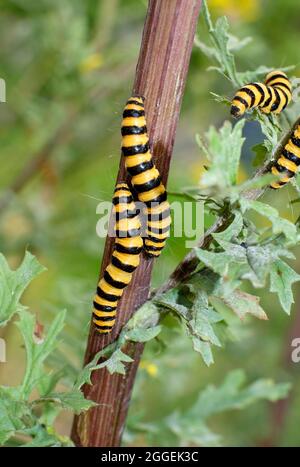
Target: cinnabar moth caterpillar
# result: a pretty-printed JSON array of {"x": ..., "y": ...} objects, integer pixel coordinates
[
  {"x": 288, "y": 162},
  {"x": 145, "y": 176},
  {"x": 125, "y": 259},
  {"x": 271, "y": 96}
]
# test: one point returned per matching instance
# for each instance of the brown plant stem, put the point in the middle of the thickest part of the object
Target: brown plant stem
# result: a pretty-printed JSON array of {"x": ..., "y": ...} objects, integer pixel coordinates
[{"x": 160, "y": 76}]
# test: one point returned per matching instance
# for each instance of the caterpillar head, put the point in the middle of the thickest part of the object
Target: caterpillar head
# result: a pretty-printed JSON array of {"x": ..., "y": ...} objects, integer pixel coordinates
[{"x": 237, "y": 109}]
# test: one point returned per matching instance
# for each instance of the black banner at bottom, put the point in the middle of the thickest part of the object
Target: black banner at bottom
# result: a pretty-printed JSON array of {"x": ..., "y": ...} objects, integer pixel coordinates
[{"x": 103, "y": 456}]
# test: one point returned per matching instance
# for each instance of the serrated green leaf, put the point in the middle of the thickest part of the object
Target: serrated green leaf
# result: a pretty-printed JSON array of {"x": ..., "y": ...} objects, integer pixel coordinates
[
  {"x": 189, "y": 427},
  {"x": 146, "y": 316},
  {"x": 210, "y": 52},
  {"x": 210, "y": 282},
  {"x": 231, "y": 396},
  {"x": 222, "y": 45},
  {"x": 190, "y": 433},
  {"x": 233, "y": 230},
  {"x": 282, "y": 278},
  {"x": 243, "y": 303},
  {"x": 236, "y": 252},
  {"x": 259, "y": 259},
  {"x": 222, "y": 40},
  {"x": 231, "y": 263},
  {"x": 142, "y": 334},
  {"x": 217, "y": 262},
  {"x": 37, "y": 351},
  {"x": 170, "y": 300},
  {"x": 84, "y": 376},
  {"x": 202, "y": 145},
  {"x": 46, "y": 437},
  {"x": 236, "y": 44},
  {"x": 204, "y": 349},
  {"x": 224, "y": 151},
  {"x": 201, "y": 306},
  {"x": 203, "y": 318},
  {"x": 48, "y": 382},
  {"x": 279, "y": 225},
  {"x": 13, "y": 284},
  {"x": 72, "y": 400},
  {"x": 269, "y": 129},
  {"x": 13, "y": 413},
  {"x": 115, "y": 364}
]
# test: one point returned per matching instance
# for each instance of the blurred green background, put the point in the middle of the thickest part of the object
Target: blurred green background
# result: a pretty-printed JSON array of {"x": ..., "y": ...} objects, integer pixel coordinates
[{"x": 69, "y": 67}]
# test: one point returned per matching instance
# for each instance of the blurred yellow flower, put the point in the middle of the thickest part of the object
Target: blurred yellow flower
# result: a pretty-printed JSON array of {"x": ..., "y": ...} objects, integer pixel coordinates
[
  {"x": 91, "y": 63},
  {"x": 242, "y": 174},
  {"x": 246, "y": 10},
  {"x": 150, "y": 368}
]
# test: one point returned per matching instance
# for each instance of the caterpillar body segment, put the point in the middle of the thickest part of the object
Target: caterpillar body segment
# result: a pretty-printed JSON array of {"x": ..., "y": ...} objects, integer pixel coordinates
[
  {"x": 278, "y": 79},
  {"x": 125, "y": 259},
  {"x": 271, "y": 96},
  {"x": 250, "y": 96},
  {"x": 288, "y": 162},
  {"x": 279, "y": 82},
  {"x": 158, "y": 228},
  {"x": 145, "y": 177}
]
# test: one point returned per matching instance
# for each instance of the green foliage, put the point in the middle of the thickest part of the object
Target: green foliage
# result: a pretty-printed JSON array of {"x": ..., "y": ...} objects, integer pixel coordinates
[
  {"x": 142, "y": 327},
  {"x": 36, "y": 350},
  {"x": 279, "y": 225},
  {"x": 65, "y": 78},
  {"x": 242, "y": 254},
  {"x": 13, "y": 284},
  {"x": 260, "y": 154},
  {"x": 282, "y": 278},
  {"x": 223, "y": 149},
  {"x": 243, "y": 251},
  {"x": 190, "y": 428},
  {"x": 222, "y": 49},
  {"x": 115, "y": 363},
  {"x": 224, "y": 152},
  {"x": 224, "y": 45},
  {"x": 192, "y": 308},
  {"x": 22, "y": 413}
]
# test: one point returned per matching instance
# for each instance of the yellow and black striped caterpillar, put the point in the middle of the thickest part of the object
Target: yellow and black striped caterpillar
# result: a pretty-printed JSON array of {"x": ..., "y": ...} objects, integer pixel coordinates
[
  {"x": 125, "y": 259},
  {"x": 289, "y": 160},
  {"x": 145, "y": 177},
  {"x": 271, "y": 96}
]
